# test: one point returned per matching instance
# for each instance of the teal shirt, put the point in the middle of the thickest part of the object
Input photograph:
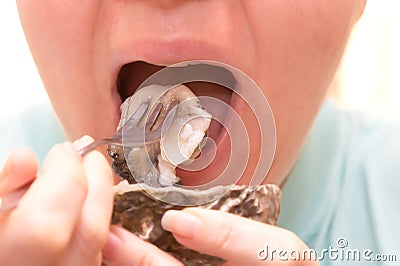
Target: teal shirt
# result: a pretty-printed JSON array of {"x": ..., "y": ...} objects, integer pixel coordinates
[
  {"x": 345, "y": 184},
  {"x": 36, "y": 127}
]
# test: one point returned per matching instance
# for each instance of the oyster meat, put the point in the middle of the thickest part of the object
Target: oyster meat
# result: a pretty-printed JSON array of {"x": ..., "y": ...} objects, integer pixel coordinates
[{"x": 154, "y": 163}]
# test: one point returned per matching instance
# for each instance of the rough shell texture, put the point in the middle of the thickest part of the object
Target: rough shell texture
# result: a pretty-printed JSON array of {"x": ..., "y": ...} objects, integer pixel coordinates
[{"x": 141, "y": 214}]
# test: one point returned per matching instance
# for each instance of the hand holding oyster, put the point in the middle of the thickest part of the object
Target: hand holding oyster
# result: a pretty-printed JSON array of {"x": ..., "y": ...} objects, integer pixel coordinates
[{"x": 139, "y": 207}]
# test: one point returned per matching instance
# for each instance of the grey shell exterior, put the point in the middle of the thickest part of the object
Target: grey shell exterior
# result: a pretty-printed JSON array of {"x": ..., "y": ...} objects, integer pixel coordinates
[{"x": 141, "y": 214}]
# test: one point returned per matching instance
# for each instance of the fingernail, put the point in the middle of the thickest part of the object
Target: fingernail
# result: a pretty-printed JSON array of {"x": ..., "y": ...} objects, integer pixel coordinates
[
  {"x": 86, "y": 139},
  {"x": 111, "y": 247},
  {"x": 83, "y": 141},
  {"x": 181, "y": 223}
]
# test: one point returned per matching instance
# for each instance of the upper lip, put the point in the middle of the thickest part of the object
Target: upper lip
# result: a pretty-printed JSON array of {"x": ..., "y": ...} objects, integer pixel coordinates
[{"x": 165, "y": 53}]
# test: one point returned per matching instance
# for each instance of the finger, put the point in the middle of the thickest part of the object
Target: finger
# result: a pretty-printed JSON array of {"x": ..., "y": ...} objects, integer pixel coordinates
[
  {"x": 124, "y": 248},
  {"x": 11, "y": 200},
  {"x": 19, "y": 169},
  {"x": 225, "y": 235},
  {"x": 92, "y": 230},
  {"x": 42, "y": 225}
]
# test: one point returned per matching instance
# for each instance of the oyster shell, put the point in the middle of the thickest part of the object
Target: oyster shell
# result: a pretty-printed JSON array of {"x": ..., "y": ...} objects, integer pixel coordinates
[{"x": 141, "y": 213}]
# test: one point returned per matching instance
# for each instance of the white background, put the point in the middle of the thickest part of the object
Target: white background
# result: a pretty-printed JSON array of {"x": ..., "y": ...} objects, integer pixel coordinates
[
  {"x": 21, "y": 86},
  {"x": 369, "y": 79}
]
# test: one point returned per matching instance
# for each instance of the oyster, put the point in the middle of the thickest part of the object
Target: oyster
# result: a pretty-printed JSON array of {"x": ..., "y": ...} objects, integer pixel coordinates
[
  {"x": 154, "y": 163},
  {"x": 141, "y": 213},
  {"x": 139, "y": 207}
]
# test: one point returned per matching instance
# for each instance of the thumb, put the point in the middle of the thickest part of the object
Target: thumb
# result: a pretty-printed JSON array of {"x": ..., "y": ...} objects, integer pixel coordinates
[
  {"x": 19, "y": 169},
  {"x": 228, "y": 236}
]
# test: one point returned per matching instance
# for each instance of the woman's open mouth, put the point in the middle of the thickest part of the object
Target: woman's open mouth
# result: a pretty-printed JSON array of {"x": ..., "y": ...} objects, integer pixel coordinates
[{"x": 133, "y": 74}]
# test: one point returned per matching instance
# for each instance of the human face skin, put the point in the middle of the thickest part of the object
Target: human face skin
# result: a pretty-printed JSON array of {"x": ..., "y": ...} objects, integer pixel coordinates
[{"x": 290, "y": 48}]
